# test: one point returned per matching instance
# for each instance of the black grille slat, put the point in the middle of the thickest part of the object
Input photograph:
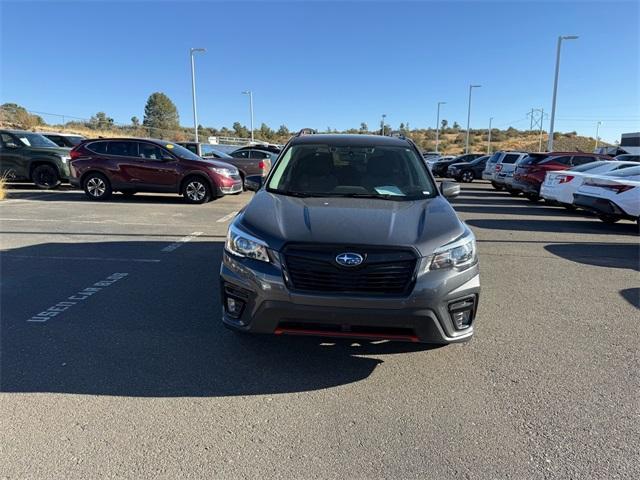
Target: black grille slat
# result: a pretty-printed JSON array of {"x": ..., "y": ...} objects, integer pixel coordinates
[{"x": 385, "y": 271}]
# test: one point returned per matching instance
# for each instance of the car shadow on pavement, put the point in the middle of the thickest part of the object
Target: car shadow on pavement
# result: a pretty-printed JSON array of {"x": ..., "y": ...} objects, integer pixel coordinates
[
  {"x": 610, "y": 255},
  {"x": 70, "y": 195},
  {"x": 571, "y": 225},
  {"x": 155, "y": 332},
  {"x": 515, "y": 210},
  {"x": 631, "y": 295}
]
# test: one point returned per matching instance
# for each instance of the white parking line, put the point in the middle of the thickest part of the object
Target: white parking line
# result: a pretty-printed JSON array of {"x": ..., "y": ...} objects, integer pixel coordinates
[
  {"x": 182, "y": 241},
  {"x": 110, "y": 259},
  {"x": 227, "y": 217},
  {"x": 74, "y": 299}
]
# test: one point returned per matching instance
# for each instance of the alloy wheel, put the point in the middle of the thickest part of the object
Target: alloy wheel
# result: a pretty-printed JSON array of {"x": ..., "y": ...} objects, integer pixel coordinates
[
  {"x": 96, "y": 187},
  {"x": 196, "y": 191},
  {"x": 467, "y": 176}
]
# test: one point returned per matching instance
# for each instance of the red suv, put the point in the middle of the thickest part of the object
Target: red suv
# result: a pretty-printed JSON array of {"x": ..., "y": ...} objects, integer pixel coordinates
[
  {"x": 531, "y": 170},
  {"x": 131, "y": 165}
]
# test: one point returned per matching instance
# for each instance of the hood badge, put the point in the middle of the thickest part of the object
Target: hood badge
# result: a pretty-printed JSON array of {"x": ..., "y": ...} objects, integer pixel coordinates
[{"x": 349, "y": 259}]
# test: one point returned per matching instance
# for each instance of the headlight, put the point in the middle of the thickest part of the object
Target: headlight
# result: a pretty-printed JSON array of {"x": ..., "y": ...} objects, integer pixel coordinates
[
  {"x": 225, "y": 172},
  {"x": 460, "y": 254},
  {"x": 242, "y": 244}
]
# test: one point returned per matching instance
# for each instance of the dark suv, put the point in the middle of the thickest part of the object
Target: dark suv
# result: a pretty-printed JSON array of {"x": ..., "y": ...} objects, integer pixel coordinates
[
  {"x": 30, "y": 156},
  {"x": 439, "y": 169},
  {"x": 349, "y": 236},
  {"x": 131, "y": 165}
]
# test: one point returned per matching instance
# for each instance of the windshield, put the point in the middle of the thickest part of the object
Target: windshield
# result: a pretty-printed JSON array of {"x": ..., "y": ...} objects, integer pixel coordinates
[
  {"x": 209, "y": 151},
  {"x": 181, "y": 152},
  {"x": 479, "y": 160},
  {"x": 36, "y": 140},
  {"x": 74, "y": 140},
  {"x": 494, "y": 158},
  {"x": 371, "y": 172}
]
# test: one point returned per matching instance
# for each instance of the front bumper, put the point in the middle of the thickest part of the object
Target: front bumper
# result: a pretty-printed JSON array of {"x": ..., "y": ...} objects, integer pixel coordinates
[
  {"x": 235, "y": 188},
  {"x": 422, "y": 316},
  {"x": 525, "y": 187}
]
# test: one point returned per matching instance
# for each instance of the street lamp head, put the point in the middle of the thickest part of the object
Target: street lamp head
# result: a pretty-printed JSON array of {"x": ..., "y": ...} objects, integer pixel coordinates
[
  {"x": 475, "y": 86},
  {"x": 246, "y": 92},
  {"x": 441, "y": 103},
  {"x": 198, "y": 50},
  {"x": 569, "y": 37}
]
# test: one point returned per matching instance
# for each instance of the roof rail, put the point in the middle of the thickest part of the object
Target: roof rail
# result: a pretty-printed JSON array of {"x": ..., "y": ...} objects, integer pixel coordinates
[{"x": 306, "y": 131}]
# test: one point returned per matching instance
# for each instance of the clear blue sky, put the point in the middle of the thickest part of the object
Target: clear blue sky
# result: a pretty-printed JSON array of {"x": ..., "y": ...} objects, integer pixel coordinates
[{"x": 320, "y": 64}]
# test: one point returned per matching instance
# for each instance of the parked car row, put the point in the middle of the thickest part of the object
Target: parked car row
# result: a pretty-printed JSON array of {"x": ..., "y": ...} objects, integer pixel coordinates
[{"x": 198, "y": 171}]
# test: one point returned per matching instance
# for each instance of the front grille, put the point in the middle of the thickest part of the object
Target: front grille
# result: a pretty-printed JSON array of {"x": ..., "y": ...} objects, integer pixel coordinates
[{"x": 384, "y": 271}]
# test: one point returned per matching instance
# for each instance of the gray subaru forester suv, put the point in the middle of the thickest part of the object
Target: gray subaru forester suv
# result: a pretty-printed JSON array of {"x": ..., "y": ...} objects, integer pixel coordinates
[{"x": 349, "y": 236}]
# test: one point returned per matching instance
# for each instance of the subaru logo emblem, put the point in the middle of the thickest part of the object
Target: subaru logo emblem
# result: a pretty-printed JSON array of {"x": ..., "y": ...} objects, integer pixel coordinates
[{"x": 349, "y": 259}]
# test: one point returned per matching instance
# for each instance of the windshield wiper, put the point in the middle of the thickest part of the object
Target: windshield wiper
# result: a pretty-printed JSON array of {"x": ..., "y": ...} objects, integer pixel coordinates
[{"x": 384, "y": 196}]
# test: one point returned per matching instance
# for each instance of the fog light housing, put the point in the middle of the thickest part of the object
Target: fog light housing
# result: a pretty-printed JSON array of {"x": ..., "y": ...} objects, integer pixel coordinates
[
  {"x": 234, "y": 300},
  {"x": 462, "y": 312}
]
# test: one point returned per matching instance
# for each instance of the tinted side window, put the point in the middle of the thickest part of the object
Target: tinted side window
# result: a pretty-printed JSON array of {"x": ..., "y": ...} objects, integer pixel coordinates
[
  {"x": 56, "y": 139},
  {"x": 191, "y": 147},
  {"x": 562, "y": 160},
  {"x": 241, "y": 154},
  {"x": 581, "y": 160},
  {"x": 150, "y": 152},
  {"x": 510, "y": 158},
  {"x": 123, "y": 149},
  {"x": 97, "y": 147}
]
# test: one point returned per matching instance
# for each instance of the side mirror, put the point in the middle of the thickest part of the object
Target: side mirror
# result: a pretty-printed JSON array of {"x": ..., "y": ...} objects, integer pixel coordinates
[
  {"x": 253, "y": 182},
  {"x": 167, "y": 158},
  {"x": 450, "y": 189},
  {"x": 11, "y": 145}
]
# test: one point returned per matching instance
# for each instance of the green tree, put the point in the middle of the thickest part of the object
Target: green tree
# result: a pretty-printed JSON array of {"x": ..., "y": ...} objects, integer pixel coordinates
[
  {"x": 240, "y": 130},
  {"x": 364, "y": 127},
  {"x": 283, "y": 131},
  {"x": 135, "y": 121},
  {"x": 444, "y": 124},
  {"x": 161, "y": 116},
  {"x": 265, "y": 133},
  {"x": 456, "y": 126},
  {"x": 100, "y": 121}
]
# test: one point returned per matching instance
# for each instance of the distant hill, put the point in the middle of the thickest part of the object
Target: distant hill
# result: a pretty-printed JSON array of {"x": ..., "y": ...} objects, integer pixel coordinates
[{"x": 451, "y": 140}]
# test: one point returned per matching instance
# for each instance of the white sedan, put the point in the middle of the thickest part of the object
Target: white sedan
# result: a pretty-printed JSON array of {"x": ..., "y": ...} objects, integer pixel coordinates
[
  {"x": 612, "y": 197},
  {"x": 559, "y": 186}
]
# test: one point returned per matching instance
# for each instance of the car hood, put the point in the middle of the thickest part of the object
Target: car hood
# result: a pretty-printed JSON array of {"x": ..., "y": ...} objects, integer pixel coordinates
[
  {"x": 50, "y": 151},
  {"x": 459, "y": 164},
  {"x": 207, "y": 162},
  {"x": 279, "y": 219}
]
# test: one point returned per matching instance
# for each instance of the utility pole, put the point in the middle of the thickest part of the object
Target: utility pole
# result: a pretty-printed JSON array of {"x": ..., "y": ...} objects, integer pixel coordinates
[
  {"x": 193, "y": 89},
  {"x": 250, "y": 93},
  {"x": 489, "y": 138},
  {"x": 384, "y": 115},
  {"x": 438, "y": 125},
  {"x": 555, "y": 89},
  {"x": 531, "y": 124},
  {"x": 597, "y": 133},
  {"x": 541, "y": 122},
  {"x": 466, "y": 146}
]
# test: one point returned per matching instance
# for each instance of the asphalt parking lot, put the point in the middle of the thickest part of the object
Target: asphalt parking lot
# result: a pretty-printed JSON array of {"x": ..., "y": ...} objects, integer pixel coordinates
[{"x": 114, "y": 362}]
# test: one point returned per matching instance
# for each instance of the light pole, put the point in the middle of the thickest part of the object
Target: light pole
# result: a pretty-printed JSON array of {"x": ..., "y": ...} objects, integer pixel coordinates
[
  {"x": 384, "y": 115},
  {"x": 250, "y": 93},
  {"x": 541, "y": 123},
  {"x": 466, "y": 145},
  {"x": 597, "y": 134},
  {"x": 193, "y": 88},
  {"x": 489, "y": 138},
  {"x": 438, "y": 125},
  {"x": 555, "y": 89}
]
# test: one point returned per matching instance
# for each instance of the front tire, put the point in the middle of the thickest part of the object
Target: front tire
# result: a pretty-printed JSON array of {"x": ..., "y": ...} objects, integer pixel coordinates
[
  {"x": 97, "y": 187},
  {"x": 497, "y": 186},
  {"x": 196, "y": 190},
  {"x": 513, "y": 193},
  {"x": 533, "y": 197},
  {"x": 467, "y": 177},
  {"x": 45, "y": 177}
]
